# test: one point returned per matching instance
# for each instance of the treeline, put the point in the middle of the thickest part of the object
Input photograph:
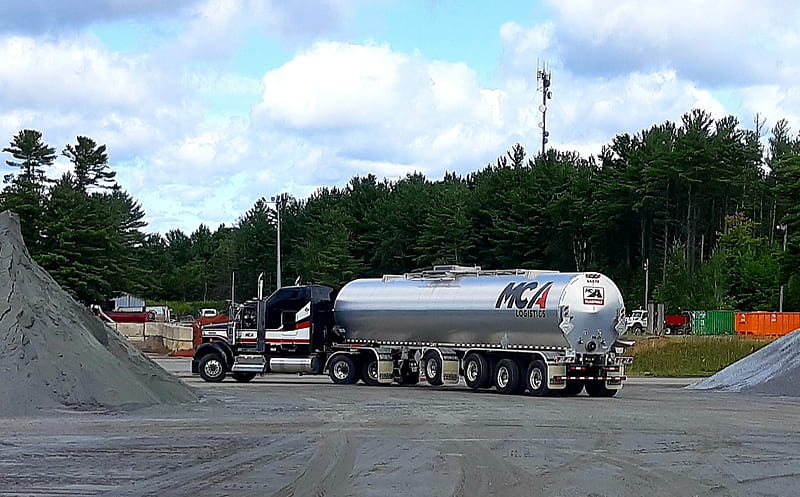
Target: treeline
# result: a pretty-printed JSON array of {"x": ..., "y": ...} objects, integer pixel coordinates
[
  {"x": 83, "y": 228},
  {"x": 700, "y": 203}
]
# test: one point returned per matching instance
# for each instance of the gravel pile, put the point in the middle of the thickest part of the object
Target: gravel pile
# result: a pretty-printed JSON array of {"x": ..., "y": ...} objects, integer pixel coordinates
[
  {"x": 55, "y": 353},
  {"x": 772, "y": 370}
]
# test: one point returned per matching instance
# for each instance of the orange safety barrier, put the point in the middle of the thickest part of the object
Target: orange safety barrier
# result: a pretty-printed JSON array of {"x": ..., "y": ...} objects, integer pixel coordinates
[{"x": 766, "y": 323}]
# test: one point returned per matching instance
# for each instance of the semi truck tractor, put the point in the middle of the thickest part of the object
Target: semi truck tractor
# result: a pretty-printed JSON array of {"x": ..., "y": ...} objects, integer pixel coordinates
[{"x": 519, "y": 331}]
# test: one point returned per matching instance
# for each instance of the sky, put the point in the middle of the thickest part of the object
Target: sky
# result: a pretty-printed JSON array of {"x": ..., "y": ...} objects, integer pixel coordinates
[{"x": 208, "y": 105}]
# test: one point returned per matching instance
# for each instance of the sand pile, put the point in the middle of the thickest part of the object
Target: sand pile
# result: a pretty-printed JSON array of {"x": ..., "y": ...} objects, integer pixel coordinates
[
  {"x": 773, "y": 370},
  {"x": 54, "y": 352}
]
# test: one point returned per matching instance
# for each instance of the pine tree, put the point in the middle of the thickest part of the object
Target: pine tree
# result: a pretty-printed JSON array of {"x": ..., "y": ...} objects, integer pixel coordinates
[
  {"x": 90, "y": 163},
  {"x": 25, "y": 193}
]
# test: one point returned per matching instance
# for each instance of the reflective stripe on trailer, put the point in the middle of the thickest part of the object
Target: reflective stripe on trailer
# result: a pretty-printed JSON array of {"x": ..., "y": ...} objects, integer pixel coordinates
[
  {"x": 277, "y": 340},
  {"x": 590, "y": 378},
  {"x": 351, "y": 341}
]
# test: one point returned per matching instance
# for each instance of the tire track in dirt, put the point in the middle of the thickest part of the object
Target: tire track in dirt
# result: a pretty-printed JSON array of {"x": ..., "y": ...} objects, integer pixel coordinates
[
  {"x": 207, "y": 474},
  {"x": 606, "y": 463},
  {"x": 328, "y": 471},
  {"x": 484, "y": 473}
]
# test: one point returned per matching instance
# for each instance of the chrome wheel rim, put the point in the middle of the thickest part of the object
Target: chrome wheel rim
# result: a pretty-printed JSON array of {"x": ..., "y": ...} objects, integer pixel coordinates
[
  {"x": 431, "y": 369},
  {"x": 535, "y": 379},
  {"x": 372, "y": 370},
  {"x": 502, "y": 377},
  {"x": 341, "y": 370},
  {"x": 213, "y": 368},
  {"x": 472, "y": 371}
]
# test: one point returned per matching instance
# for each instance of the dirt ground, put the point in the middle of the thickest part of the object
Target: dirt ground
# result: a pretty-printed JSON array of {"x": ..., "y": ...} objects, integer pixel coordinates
[{"x": 287, "y": 436}]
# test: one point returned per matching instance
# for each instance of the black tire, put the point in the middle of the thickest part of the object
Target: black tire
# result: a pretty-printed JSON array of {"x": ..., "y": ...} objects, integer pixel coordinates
[
  {"x": 506, "y": 376},
  {"x": 597, "y": 388},
  {"x": 433, "y": 368},
  {"x": 536, "y": 379},
  {"x": 369, "y": 372},
  {"x": 242, "y": 376},
  {"x": 476, "y": 371},
  {"x": 637, "y": 329},
  {"x": 212, "y": 368},
  {"x": 342, "y": 370},
  {"x": 573, "y": 388}
]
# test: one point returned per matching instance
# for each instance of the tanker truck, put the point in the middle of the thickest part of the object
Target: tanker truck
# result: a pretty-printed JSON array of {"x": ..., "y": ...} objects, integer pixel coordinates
[{"x": 519, "y": 331}]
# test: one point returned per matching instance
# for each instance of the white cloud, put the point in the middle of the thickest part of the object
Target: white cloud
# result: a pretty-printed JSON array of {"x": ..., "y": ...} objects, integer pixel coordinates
[
  {"x": 35, "y": 16},
  {"x": 715, "y": 42},
  {"x": 46, "y": 75},
  {"x": 371, "y": 103},
  {"x": 196, "y": 142}
]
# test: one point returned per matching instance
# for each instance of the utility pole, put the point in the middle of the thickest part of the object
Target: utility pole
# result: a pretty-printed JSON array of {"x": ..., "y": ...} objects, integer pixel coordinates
[
  {"x": 646, "y": 280},
  {"x": 544, "y": 75},
  {"x": 785, "y": 229}
]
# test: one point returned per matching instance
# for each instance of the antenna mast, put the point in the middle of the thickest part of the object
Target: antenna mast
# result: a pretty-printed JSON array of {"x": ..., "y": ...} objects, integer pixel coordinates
[{"x": 544, "y": 75}]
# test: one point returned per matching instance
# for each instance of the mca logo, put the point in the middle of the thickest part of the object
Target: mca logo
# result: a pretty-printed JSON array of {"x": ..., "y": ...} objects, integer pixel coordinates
[{"x": 524, "y": 295}]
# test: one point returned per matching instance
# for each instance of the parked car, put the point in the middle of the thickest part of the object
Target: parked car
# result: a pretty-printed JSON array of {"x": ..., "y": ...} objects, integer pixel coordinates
[
  {"x": 208, "y": 313},
  {"x": 637, "y": 321}
]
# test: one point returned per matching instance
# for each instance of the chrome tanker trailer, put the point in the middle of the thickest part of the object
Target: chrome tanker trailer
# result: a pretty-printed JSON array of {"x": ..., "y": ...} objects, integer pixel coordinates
[{"x": 519, "y": 331}]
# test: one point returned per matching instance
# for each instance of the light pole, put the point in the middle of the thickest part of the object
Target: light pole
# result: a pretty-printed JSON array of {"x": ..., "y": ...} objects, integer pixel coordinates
[
  {"x": 279, "y": 199},
  {"x": 785, "y": 229},
  {"x": 646, "y": 281}
]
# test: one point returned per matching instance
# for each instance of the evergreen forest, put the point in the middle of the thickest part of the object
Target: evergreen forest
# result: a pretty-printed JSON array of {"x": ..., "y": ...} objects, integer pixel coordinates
[{"x": 709, "y": 211}]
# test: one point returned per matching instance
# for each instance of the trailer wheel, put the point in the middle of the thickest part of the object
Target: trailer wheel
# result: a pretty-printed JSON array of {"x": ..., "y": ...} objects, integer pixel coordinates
[
  {"x": 573, "y": 388},
  {"x": 342, "y": 370},
  {"x": 476, "y": 371},
  {"x": 212, "y": 368},
  {"x": 597, "y": 388},
  {"x": 243, "y": 377},
  {"x": 506, "y": 376},
  {"x": 433, "y": 368},
  {"x": 369, "y": 372},
  {"x": 536, "y": 379}
]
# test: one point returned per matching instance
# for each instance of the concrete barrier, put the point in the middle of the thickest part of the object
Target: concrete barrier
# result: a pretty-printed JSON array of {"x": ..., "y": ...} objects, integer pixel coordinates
[{"x": 159, "y": 338}]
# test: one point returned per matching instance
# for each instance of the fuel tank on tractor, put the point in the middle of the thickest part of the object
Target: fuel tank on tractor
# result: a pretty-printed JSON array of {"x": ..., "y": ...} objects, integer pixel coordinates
[{"x": 471, "y": 307}]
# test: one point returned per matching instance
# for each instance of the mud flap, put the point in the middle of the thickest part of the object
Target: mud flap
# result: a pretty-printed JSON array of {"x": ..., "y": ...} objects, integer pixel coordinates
[
  {"x": 616, "y": 381},
  {"x": 385, "y": 366},
  {"x": 450, "y": 366},
  {"x": 555, "y": 376}
]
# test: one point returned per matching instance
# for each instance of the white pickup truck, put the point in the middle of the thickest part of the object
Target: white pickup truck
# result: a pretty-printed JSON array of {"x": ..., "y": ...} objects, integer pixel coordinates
[
  {"x": 208, "y": 313},
  {"x": 637, "y": 321}
]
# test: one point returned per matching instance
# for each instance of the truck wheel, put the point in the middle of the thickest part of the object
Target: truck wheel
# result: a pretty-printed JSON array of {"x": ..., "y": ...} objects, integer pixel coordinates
[
  {"x": 536, "y": 379},
  {"x": 476, "y": 371},
  {"x": 433, "y": 368},
  {"x": 243, "y": 377},
  {"x": 597, "y": 388},
  {"x": 212, "y": 368},
  {"x": 506, "y": 376},
  {"x": 369, "y": 372},
  {"x": 637, "y": 329},
  {"x": 342, "y": 370},
  {"x": 573, "y": 388}
]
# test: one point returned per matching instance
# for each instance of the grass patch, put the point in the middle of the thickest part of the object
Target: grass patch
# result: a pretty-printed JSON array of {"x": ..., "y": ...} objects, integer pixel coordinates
[{"x": 688, "y": 355}]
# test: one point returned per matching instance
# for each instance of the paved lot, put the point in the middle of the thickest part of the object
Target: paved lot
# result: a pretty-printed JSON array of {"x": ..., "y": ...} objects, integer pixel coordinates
[{"x": 290, "y": 435}]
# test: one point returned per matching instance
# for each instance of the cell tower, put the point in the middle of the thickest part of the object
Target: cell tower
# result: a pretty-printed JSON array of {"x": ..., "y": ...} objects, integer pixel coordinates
[{"x": 544, "y": 75}]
